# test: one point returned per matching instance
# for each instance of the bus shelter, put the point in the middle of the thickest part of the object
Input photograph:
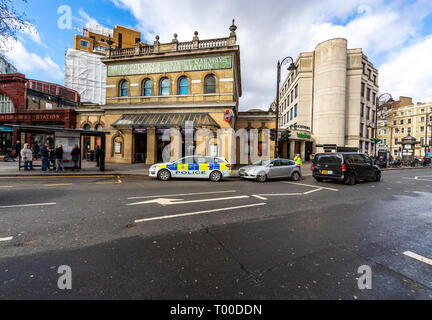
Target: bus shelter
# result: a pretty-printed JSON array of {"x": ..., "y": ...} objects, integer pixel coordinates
[{"x": 55, "y": 136}]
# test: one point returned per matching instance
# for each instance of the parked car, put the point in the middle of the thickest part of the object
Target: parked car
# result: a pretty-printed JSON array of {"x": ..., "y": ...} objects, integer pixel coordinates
[
  {"x": 348, "y": 167},
  {"x": 199, "y": 167},
  {"x": 271, "y": 169}
]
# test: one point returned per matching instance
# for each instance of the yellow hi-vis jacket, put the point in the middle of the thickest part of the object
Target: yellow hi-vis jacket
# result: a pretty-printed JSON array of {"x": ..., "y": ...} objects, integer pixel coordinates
[{"x": 298, "y": 160}]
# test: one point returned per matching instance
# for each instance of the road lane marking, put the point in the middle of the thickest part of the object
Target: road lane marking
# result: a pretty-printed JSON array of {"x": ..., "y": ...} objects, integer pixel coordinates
[
  {"x": 28, "y": 205},
  {"x": 106, "y": 182},
  {"x": 57, "y": 184},
  {"x": 199, "y": 212},
  {"x": 258, "y": 197},
  {"x": 167, "y": 202},
  {"x": 54, "y": 177},
  {"x": 5, "y": 186},
  {"x": 418, "y": 257},
  {"x": 307, "y": 192},
  {"x": 280, "y": 194},
  {"x": 181, "y": 194},
  {"x": 6, "y": 239},
  {"x": 418, "y": 179},
  {"x": 310, "y": 185}
]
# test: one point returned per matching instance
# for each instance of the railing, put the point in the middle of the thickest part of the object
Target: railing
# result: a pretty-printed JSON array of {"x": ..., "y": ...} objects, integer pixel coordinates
[
  {"x": 185, "y": 46},
  {"x": 146, "y": 50},
  {"x": 213, "y": 43}
]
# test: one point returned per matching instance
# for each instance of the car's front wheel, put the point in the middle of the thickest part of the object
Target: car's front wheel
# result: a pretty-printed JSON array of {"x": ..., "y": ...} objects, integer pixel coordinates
[
  {"x": 261, "y": 177},
  {"x": 351, "y": 180},
  {"x": 378, "y": 177},
  {"x": 215, "y": 176},
  {"x": 164, "y": 175}
]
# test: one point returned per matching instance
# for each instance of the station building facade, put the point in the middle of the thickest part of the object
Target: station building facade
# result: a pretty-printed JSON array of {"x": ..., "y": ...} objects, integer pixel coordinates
[{"x": 154, "y": 88}]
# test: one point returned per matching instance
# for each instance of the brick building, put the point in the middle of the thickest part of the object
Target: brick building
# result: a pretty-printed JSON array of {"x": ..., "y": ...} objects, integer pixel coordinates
[{"x": 33, "y": 102}]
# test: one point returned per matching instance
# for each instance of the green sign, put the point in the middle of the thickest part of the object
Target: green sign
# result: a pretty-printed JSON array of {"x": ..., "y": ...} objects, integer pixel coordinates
[
  {"x": 197, "y": 64},
  {"x": 303, "y": 135}
]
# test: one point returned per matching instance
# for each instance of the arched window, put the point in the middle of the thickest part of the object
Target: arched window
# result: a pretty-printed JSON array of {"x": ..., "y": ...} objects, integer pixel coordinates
[
  {"x": 164, "y": 87},
  {"x": 183, "y": 86},
  {"x": 123, "y": 88},
  {"x": 210, "y": 84},
  {"x": 6, "y": 104},
  {"x": 147, "y": 88},
  {"x": 87, "y": 127}
]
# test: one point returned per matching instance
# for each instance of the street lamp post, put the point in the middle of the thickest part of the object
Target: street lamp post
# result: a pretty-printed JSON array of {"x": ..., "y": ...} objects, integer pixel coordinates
[{"x": 290, "y": 68}]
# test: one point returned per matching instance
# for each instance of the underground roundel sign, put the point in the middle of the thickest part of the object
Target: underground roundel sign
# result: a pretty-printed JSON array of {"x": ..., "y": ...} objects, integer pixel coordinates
[{"x": 228, "y": 115}]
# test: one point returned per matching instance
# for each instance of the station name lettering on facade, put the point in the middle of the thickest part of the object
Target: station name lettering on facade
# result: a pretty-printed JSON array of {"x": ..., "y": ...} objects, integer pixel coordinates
[{"x": 197, "y": 64}]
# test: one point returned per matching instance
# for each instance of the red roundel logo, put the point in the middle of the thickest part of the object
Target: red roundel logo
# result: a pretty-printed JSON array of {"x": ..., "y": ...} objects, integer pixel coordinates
[{"x": 228, "y": 115}]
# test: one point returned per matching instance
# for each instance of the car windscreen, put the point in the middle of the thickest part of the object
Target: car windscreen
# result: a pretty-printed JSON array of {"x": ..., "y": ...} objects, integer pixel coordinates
[
  {"x": 327, "y": 159},
  {"x": 261, "y": 163}
]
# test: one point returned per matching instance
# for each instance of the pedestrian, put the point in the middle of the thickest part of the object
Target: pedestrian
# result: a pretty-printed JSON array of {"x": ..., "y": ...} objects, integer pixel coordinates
[
  {"x": 27, "y": 157},
  {"x": 17, "y": 148},
  {"x": 45, "y": 156},
  {"x": 298, "y": 160},
  {"x": 75, "y": 153},
  {"x": 98, "y": 155},
  {"x": 58, "y": 158}
]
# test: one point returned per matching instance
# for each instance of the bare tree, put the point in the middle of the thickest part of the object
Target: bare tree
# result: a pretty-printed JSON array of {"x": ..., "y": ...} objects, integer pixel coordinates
[{"x": 11, "y": 22}]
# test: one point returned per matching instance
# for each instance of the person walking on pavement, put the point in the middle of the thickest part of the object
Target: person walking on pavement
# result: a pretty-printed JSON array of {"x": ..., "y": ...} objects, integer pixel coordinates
[
  {"x": 58, "y": 158},
  {"x": 298, "y": 160},
  {"x": 45, "y": 156},
  {"x": 17, "y": 148},
  {"x": 27, "y": 156},
  {"x": 98, "y": 155},
  {"x": 75, "y": 153}
]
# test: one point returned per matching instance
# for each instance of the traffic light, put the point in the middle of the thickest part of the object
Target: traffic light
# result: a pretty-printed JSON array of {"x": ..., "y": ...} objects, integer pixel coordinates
[{"x": 272, "y": 134}]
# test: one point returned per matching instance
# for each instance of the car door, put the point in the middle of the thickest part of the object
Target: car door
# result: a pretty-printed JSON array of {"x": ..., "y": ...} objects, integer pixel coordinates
[
  {"x": 287, "y": 168},
  {"x": 360, "y": 166},
  {"x": 368, "y": 167},
  {"x": 183, "y": 167},
  {"x": 275, "y": 169}
]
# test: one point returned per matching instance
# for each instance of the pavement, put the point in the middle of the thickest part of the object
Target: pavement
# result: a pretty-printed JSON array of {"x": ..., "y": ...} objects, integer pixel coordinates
[{"x": 135, "y": 237}]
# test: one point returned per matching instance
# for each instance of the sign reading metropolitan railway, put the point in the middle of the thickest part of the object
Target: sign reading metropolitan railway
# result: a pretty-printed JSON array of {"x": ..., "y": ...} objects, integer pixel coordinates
[{"x": 197, "y": 64}]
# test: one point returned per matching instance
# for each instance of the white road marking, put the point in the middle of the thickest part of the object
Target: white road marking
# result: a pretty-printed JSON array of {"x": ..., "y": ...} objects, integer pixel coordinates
[
  {"x": 5, "y": 186},
  {"x": 418, "y": 257},
  {"x": 167, "y": 202},
  {"x": 199, "y": 212},
  {"x": 6, "y": 239},
  {"x": 280, "y": 194},
  {"x": 307, "y": 192},
  {"x": 28, "y": 205},
  {"x": 418, "y": 179},
  {"x": 258, "y": 197},
  {"x": 310, "y": 185},
  {"x": 181, "y": 194},
  {"x": 57, "y": 184}
]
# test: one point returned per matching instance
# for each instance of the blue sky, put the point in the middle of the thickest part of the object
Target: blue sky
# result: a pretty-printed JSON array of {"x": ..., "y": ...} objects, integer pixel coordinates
[{"x": 395, "y": 35}]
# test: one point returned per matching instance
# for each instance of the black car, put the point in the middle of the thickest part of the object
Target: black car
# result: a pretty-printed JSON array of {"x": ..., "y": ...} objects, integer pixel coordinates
[{"x": 348, "y": 167}]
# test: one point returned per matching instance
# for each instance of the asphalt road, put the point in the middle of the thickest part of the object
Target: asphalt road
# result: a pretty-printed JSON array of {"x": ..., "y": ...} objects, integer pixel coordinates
[{"x": 139, "y": 238}]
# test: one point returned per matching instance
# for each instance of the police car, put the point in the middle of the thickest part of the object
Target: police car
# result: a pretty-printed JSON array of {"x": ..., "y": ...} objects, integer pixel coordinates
[{"x": 213, "y": 168}]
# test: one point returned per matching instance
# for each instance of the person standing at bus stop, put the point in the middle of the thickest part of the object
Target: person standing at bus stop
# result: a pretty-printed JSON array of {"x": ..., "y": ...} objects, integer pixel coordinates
[
  {"x": 27, "y": 157},
  {"x": 58, "y": 158},
  {"x": 75, "y": 153},
  {"x": 44, "y": 153}
]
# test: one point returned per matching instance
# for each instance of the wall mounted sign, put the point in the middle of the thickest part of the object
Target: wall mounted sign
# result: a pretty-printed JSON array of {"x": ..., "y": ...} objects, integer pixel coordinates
[
  {"x": 303, "y": 135},
  {"x": 197, "y": 64},
  {"x": 228, "y": 116}
]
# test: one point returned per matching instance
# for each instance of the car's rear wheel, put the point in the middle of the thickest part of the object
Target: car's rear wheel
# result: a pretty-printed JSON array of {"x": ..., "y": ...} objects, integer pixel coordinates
[
  {"x": 351, "y": 180},
  {"x": 295, "y": 176},
  {"x": 261, "y": 177},
  {"x": 378, "y": 177},
  {"x": 164, "y": 175},
  {"x": 215, "y": 176}
]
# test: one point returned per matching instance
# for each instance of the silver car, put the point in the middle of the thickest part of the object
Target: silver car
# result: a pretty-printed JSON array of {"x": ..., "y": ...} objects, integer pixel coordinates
[{"x": 271, "y": 169}]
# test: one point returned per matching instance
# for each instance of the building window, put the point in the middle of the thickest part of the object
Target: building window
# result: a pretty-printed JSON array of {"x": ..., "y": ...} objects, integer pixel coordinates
[
  {"x": 210, "y": 84},
  {"x": 408, "y": 121},
  {"x": 183, "y": 86},
  {"x": 120, "y": 40},
  {"x": 422, "y": 119},
  {"x": 367, "y": 113},
  {"x": 409, "y": 130},
  {"x": 361, "y": 109},
  {"x": 291, "y": 112},
  {"x": 164, "y": 87},
  {"x": 6, "y": 104},
  {"x": 361, "y": 129},
  {"x": 295, "y": 111},
  {"x": 368, "y": 91},
  {"x": 363, "y": 67},
  {"x": 394, "y": 122},
  {"x": 422, "y": 111},
  {"x": 375, "y": 79},
  {"x": 123, "y": 88},
  {"x": 101, "y": 49},
  {"x": 401, "y": 122},
  {"x": 373, "y": 115},
  {"x": 362, "y": 89},
  {"x": 84, "y": 43},
  {"x": 296, "y": 91},
  {"x": 147, "y": 88},
  {"x": 421, "y": 129},
  {"x": 292, "y": 96},
  {"x": 373, "y": 97}
]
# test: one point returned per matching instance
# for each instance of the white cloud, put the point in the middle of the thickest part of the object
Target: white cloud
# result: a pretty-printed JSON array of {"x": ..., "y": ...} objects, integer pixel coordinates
[
  {"x": 26, "y": 61},
  {"x": 270, "y": 30},
  {"x": 409, "y": 72},
  {"x": 85, "y": 19}
]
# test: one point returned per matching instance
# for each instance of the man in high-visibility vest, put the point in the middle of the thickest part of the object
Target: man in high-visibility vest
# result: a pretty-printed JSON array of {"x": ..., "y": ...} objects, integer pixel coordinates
[{"x": 298, "y": 159}]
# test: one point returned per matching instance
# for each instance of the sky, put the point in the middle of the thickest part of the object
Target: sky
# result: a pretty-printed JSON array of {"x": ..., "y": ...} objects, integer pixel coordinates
[{"x": 396, "y": 35}]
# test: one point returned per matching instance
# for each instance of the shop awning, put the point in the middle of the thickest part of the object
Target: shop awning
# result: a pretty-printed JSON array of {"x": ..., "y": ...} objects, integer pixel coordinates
[{"x": 164, "y": 120}]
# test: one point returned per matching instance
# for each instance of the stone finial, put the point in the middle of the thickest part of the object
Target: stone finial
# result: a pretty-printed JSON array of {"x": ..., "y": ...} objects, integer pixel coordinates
[
  {"x": 157, "y": 38},
  {"x": 195, "y": 40},
  {"x": 175, "y": 35},
  {"x": 156, "y": 44},
  {"x": 233, "y": 27},
  {"x": 233, "y": 37}
]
